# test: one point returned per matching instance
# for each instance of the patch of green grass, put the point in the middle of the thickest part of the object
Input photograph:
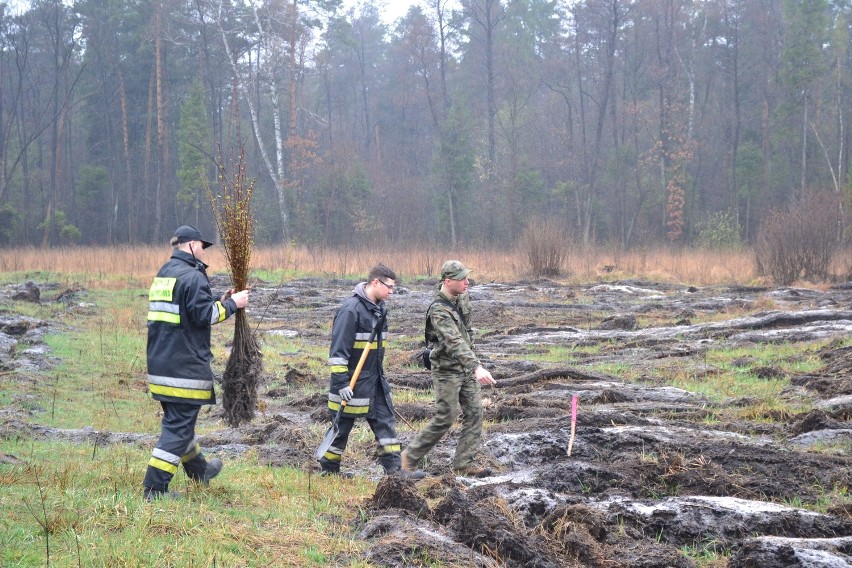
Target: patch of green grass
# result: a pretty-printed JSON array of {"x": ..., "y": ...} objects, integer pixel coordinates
[
  {"x": 709, "y": 554},
  {"x": 91, "y": 513},
  {"x": 100, "y": 380},
  {"x": 729, "y": 385},
  {"x": 790, "y": 357},
  {"x": 98, "y": 346},
  {"x": 281, "y": 352},
  {"x": 45, "y": 311},
  {"x": 276, "y": 277},
  {"x": 30, "y": 275},
  {"x": 75, "y": 280},
  {"x": 843, "y": 448},
  {"x": 730, "y": 380},
  {"x": 558, "y": 353},
  {"x": 836, "y": 496},
  {"x": 416, "y": 396},
  {"x": 623, "y": 370}
]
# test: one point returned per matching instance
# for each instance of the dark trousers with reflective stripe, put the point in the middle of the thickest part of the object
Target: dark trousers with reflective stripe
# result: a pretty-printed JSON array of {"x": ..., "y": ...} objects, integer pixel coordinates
[
  {"x": 383, "y": 425},
  {"x": 176, "y": 446}
]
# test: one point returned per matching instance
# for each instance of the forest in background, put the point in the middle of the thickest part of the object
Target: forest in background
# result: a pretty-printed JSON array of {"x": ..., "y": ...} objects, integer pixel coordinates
[{"x": 627, "y": 122}]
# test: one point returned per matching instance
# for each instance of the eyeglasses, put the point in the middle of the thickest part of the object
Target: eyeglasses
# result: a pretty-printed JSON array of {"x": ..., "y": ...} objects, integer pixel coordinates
[{"x": 388, "y": 286}]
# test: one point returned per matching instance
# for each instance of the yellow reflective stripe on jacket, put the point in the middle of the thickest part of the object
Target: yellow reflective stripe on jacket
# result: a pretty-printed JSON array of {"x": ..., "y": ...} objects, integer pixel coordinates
[
  {"x": 163, "y": 311},
  {"x": 164, "y": 316},
  {"x": 176, "y": 387},
  {"x": 193, "y": 384},
  {"x": 338, "y": 364},
  {"x": 362, "y": 407},
  {"x": 179, "y": 392},
  {"x": 363, "y": 345},
  {"x": 218, "y": 313}
]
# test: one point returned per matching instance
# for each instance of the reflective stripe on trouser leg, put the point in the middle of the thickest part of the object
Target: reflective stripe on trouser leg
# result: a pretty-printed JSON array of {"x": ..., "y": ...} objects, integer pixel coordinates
[
  {"x": 330, "y": 461},
  {"x": 383, "y": 424},
  {"x": 447, "y": 387},
  {"x": 193, "y": 461},
  {"x": 192, "y": 450},
  {"x": 470, "y": 399},
  {"x": 178, "y": 432}
]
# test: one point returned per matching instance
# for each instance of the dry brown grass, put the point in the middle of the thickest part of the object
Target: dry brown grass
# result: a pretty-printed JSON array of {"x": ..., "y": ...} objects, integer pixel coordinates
[
  {"x": 108, "y": 267},
  {"x": 699, "y": 267}
]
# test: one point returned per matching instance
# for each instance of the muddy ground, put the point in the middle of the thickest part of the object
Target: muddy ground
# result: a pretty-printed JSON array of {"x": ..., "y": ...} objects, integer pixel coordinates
[{"x": 654, "y": 470}]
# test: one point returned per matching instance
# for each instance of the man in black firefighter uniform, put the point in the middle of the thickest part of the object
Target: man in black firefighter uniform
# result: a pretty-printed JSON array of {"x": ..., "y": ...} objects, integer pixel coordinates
[
  {"x": 181, "y": 310},
  {"x": 353, "y": 327}
]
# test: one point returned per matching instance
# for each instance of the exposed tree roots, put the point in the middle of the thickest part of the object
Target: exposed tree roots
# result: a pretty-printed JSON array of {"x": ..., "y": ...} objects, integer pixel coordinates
[{"x": 242, "y": 374}]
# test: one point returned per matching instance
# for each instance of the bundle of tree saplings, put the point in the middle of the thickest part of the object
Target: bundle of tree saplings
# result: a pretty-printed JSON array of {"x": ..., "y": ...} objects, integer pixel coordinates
[{"x": 232, "y": 210}]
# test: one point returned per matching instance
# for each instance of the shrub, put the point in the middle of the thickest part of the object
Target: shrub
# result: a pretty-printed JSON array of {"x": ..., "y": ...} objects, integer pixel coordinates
[
  {"x": 801, "y": 240},
  {"x": 719, "y": 230},
  {"x": 68, "y": 234},
  {"x": 544, "y": 244},
  {"x": 8, "y": 218}
]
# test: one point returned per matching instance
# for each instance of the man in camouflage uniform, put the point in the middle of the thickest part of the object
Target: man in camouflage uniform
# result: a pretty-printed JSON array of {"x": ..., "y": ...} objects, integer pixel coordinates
[{"x": 456, "y": 375}]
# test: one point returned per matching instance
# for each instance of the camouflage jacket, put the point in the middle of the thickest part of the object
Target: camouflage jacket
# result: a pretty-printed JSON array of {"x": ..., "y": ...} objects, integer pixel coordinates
[{"x": 448, "y": 330}]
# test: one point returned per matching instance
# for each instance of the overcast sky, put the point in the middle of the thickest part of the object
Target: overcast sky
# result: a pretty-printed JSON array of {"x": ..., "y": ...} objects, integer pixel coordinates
[{"x": 393, "y": 9}]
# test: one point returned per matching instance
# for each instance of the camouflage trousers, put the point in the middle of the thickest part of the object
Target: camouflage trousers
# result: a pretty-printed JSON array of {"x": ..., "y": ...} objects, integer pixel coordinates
[{"x": 454, "y": 392}]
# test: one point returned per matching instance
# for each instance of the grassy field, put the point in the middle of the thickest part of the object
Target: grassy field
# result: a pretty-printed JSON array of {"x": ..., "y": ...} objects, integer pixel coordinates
[{"x": 66, "y": 504}]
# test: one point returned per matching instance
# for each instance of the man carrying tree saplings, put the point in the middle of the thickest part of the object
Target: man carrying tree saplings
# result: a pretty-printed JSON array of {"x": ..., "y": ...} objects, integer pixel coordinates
[
  {"x": 361, "y": 323},
  {"x": 181, "y": 310}
]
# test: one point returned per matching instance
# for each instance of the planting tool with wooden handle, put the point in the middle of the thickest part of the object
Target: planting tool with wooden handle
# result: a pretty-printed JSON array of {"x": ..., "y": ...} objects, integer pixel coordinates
[{"x": 334, "y": 429}]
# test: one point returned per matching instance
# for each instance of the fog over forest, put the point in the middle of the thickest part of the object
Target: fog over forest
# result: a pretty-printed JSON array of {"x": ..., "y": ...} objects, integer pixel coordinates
[{"x": 465, "y": 122}]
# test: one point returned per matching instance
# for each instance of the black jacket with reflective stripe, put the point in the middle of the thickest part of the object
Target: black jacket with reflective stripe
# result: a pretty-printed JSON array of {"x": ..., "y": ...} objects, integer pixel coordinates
[
  {"x": 352, "y": 326},
  {"x": 181, "y": 311}
]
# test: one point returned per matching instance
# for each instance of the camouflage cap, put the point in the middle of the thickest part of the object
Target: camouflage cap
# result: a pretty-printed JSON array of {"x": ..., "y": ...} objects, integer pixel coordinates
[{"x": 454, "y": 270}]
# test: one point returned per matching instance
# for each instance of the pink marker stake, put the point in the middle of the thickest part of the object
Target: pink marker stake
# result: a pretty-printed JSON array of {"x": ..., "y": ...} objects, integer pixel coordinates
[{"x": 573, "y": 422}]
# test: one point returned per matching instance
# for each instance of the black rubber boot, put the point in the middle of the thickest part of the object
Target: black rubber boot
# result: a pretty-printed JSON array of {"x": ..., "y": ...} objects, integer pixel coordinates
[{"x": 213, "y": 468}]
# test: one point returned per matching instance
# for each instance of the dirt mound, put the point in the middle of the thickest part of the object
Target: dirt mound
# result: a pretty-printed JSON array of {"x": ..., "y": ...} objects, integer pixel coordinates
[
  {"x": 490, "y": 526},
  {"x": 592, "y": 540},
  {"x": 394, "y": 492},
  {"x": 813, "y": 421},
  {"x": 398, "y": 541},
  {"x": 774, "y": 552},
  {"x": 486, "y": 526},
  {"x": 835, "y": 378}
]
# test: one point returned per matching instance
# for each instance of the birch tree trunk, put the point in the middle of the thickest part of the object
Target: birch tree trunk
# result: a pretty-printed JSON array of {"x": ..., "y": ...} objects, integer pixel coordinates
[
  {"x": 263, "y": 72},
  {"x": 162, "y": 167}
]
